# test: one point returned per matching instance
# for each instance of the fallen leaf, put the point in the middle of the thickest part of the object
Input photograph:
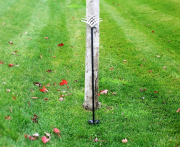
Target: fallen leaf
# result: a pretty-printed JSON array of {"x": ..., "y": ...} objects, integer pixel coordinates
[
  {"x": 96, "y": 139},
  {"x": 44, "y": 89},
  {"x": 45, "y": 99},
  {"x": 10, "y": 65},
  {"x": 158, "y": 56},
  {"x": 8, "y": 117},
  {"x": 48, "y": 70},
  {"x": 44, "y": 139},
  {"x": 1, "y": 62},
  {"x": 54, "y": 83},
  {"x": 35, "y": 119},
  {"x": 178, "y": 110},
  {"x": 53, "y": 56},
  {"x": 40, "y": 56},
  {"x": 14, "y": 98},
  {"x": 111, "y": 68},
  {"x": 63, "y": 82},
  {"x": 164, "y": 67},
  {"x": 61, "y": 44},
  {"x": 56, "y": 131},
  {"x": 30, "y": 137},
  {"x": 155, "y": 92},
  {"x": 150, "y": 71},
  {"x": 34, "y": 97},
  {"x": 10, "y": 42},
  {"x": 152, "y": 31},
  {"x": 3, "y": 23},
  {"x": 104, "y": 91},
  {"x": 124, "y": 140},
  {"x": 10, "y": 109},
  {"x": 46, "y": 37},
  {"x": 61, "y": 99},
  {"x": 48, "y": 84},
  {"x": 36, "y": 135},
  {"x": 37, "y": 84},
  {"x": 72, "y": 17}
]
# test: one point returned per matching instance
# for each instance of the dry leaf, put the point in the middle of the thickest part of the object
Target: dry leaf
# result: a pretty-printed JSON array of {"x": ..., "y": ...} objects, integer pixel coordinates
[
  {"x": 124, "y": 140},
  {"x": 46, "y": 37},
  {"x": 34, "y": 97}
]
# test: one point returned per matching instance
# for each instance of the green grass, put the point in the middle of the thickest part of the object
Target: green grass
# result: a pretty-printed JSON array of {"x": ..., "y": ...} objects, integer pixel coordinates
[{"x": 124, "y": 35}]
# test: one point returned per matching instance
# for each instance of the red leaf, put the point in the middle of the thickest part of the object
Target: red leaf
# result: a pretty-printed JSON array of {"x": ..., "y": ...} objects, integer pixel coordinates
[
  {"x": 10, "y": 65},
  {"x": 56, "y": 131},
  {"x": 8, "y": 117},
  {"x": 1, "y": 62},
  {"x": 48, "y": 70},
  {"x": 46, "y": 37},
  {"x": 44, "y": 89},
  {"x": 63, "y": 82},
  {"x": 61, "y": 44},
  {"x": 37, "y": 83},
  {"x": 14, "y": 98},
  {"x": 111, "y": 68},
  {"x": 45, "y": 99},
  {"x": 73, "y": 17},
  {"x": 10, "y": 42},
  {"x": 152, "y": 31},
  {"x": 150, "y": 71},
  {"x": 155, "y": 92},
  {"x": 44, "y": 139},
  {"x": 61, "y": 95},
  {"x": 35, "y": 119},
  {"x": 32, "y": 138}
]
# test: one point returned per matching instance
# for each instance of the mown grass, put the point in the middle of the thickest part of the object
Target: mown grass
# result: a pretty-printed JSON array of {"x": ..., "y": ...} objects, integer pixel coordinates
[{"x": 124, "y": 35}]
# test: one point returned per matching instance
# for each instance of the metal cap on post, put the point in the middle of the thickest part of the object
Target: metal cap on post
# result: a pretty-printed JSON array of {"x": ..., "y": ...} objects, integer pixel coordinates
[{"x": 92, "y": 20}]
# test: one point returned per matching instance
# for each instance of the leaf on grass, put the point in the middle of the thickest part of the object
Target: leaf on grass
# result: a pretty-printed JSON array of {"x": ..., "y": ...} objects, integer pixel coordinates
[
  {"x": 48, "y": 84},
  {"x": 64, "y": 82},
  {"x": 158, "y": 56},
  {"x": 43, "y": 89},
  {"x": 14, "y": 98},
  {"x": 164, "y": 67},
  {"x": 104, "y": 91},
  {"x": 37, "y": 84},
  {"x": 53, "y": 56},
  {"x": 40, "y": 56},
  {"x": 46, "y": 37},
  {"x": 10, "y": 109},
  {"x": 61, "y": 44},
  {"x": 10, "y": 65},
  {"x": 149, "y": 71},
  {"x": 178, "y": 110},
  {"x": 61, "y": 99},
  {"x": 1, "y": 62},
  {"x": 124, "y": 140},
  {"x": 36, "y": 135},
  {"x": 152, "y": 31},
  {"x": 61, "y": 95},
  {"x": 155, "y": 92},
  {"x": 30, "y": 137},
  {"x": 56, "y": 131},
  {"x": 10, "y": 42},
  {"x": 3, "y": 23},
  {"x": 8, "y": 117},
  {"x": 48, "y": 70},
  {"x": 45, "y": 139},
  {"x": 72, "y": 17},
  {"x": 35, "y": 119},
  {"x": 45, "y": 99},
  {"x": 54, "y": 83},
  {"x": 111, "y": 68},
  {"x": 34, "y": 97}
]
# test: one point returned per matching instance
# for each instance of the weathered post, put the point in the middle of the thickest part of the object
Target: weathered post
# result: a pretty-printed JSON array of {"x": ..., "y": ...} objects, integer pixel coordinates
[{"x": 91, "y": 75}]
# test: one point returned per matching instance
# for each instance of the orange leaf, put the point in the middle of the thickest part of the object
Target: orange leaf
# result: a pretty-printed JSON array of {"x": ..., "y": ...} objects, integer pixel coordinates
[{"x": 44, "y": 89}]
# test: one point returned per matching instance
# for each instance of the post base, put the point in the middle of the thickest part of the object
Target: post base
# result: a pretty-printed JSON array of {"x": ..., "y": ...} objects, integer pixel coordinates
[{"x": 95, "y": 122}]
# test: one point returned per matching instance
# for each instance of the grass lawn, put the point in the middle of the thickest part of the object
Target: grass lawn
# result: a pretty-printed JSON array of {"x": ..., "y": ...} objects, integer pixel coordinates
[{"x": 139, "y": 61}]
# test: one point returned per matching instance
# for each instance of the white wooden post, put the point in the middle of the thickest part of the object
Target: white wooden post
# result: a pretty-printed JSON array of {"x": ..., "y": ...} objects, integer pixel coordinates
[{"x": 92, "y": 9}]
